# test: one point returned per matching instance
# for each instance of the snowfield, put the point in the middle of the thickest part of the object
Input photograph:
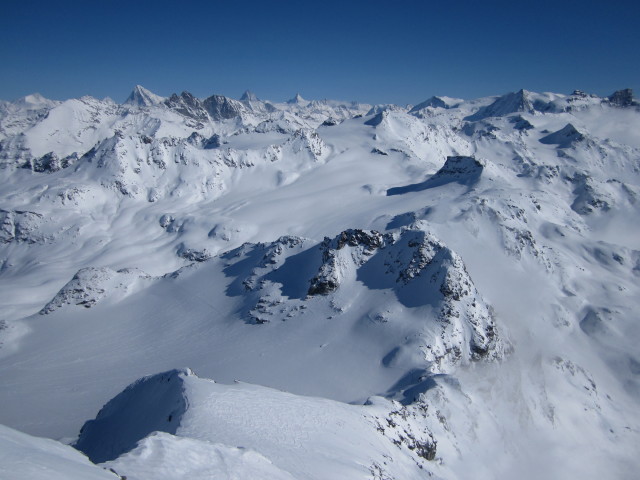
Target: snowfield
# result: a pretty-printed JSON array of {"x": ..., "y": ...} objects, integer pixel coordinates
[{"x": 448, "y": 290}]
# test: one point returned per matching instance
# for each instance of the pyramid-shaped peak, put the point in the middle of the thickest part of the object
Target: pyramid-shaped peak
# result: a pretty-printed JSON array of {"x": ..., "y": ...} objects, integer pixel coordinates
[
  {"x": 297, "y": 99},
  {"x": 249, "y": 96},
  {"x": 509, "y": 103},
  {"x": 565, "y": 137},
  {"x": 436, "y": 102},
  {"x": 520, "y": 100},
  {"x": 142, "y": 97}
]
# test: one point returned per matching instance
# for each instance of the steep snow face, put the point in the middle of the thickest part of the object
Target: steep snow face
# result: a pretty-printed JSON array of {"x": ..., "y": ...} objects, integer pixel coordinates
[
  {"x": 149, "y": 405},
  {"x": 476, "y": 264}
]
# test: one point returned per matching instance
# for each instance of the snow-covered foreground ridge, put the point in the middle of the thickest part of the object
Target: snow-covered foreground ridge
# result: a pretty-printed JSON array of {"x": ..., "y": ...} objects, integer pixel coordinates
[{"x": 439, "y": 291}]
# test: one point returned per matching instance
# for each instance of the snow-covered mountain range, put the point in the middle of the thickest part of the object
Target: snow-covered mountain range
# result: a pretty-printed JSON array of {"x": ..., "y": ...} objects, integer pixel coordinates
[{"x": 446, "y": 290}]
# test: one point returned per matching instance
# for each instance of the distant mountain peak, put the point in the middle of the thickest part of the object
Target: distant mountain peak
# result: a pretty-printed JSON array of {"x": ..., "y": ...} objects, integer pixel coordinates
[
  {"x": 509, "y": 103},
  {"x": 297, "y": 99},
  {"x": 622, "y": 98},
  {"x": 142, "y": 97},
  {"x": 34, "y": 101},
  {"x": 436, "y": 102},
  {"x": 249, "y": 96}
]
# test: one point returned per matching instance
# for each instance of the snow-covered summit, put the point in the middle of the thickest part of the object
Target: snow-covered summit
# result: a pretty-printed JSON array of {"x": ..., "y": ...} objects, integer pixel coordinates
[
  {"x": 297, "y": 100},
  {"x": 249, "y": 96},
  {"x": 35, "y": 101},
  {"x": 513, "y": 102},
  {"x": 142, "y": 97},
  {"x": 436, "y": 102},
  {"x": 564, "y": 137}
]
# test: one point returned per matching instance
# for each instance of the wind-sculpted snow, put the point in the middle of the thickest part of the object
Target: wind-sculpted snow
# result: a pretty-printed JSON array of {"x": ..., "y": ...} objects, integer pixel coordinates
[
  {"x": 473, "y": 262},
  {"x": 151, "y": 404},
  {"x": 276, "y": 433}
]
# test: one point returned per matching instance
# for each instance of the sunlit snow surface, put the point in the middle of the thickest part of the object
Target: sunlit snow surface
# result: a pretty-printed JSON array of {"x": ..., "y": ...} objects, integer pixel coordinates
[{"x": 475, "y": 263}]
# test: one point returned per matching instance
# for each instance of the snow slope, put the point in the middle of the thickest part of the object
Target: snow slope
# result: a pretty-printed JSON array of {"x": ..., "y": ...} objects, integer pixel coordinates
[
  {"x": 24, "y": 456},
  {"x": 475, "y": 262}
]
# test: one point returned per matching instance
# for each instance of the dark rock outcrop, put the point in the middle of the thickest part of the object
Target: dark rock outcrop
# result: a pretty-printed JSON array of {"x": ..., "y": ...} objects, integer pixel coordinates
[
  {"x": 222, "y": 108},
  {"x": 460, "y": 169},
  {"x": 622, "y": 98},
  {"x": 187, "y": 105}
]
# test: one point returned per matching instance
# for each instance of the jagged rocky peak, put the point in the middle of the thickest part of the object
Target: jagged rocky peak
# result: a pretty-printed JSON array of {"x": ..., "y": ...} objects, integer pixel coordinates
[
  {"x": 461, "y": 165},
  {"x": 50, "y": 162},
  {"x": 188, "y": 105},
  {"x": 330, "y": 275},
  {"x": 422, "y": 271},
  {"x": 565, "y": 137},
  {"x": 220, "y": 107},
  {"x": 185, "y": 98},
  {"x": 307, "y": 140},
  {"x": 622, "y": 98},
  {"x": 580, "y": 94},
  {"x": 142, "y": 97}
]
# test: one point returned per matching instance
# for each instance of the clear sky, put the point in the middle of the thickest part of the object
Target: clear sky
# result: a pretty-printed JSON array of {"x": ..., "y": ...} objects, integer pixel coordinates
[{"x": 375, "y": 51}]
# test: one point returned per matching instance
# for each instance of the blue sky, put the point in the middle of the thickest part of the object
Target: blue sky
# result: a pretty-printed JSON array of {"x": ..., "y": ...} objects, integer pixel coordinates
[{"x": 371, "y": 51}]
